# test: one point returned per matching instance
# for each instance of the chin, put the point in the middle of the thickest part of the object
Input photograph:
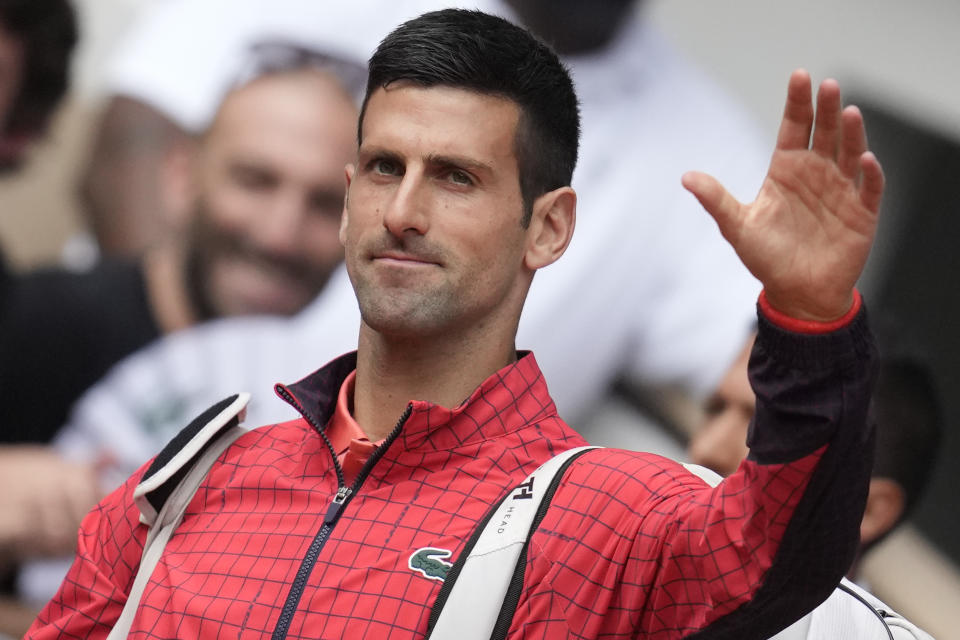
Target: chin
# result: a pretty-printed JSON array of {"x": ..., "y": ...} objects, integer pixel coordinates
[
  {"x": 391, "y": 325},
  {"x": 401, "y": 323}
]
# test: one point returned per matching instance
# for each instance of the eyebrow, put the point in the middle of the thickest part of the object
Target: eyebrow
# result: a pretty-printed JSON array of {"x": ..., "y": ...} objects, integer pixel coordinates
[
  {"x": 364, "y": 154},
  {"x": 459, "y": 162}
]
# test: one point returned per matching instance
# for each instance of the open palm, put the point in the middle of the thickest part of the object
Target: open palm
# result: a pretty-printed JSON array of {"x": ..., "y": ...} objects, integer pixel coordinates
[{"x": 807, "y": 235}]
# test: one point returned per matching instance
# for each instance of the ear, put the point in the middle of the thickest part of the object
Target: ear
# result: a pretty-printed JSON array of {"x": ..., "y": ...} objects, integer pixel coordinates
[
  {"x": 885, "y": 504},
  {"x": 551, "y": 227},
  {"x": 348, "y": 175},
  {"x": 178, "y": 182}
]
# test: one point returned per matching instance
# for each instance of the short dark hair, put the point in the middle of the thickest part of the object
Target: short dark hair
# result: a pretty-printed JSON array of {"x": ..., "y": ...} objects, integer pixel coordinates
[
  {"x": 48, "y": 31},
  {"x": 478, "y": 52},
  {"x": 908, "y": 415}
]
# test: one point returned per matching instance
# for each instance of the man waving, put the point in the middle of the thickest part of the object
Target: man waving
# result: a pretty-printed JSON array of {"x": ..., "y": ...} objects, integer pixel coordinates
[{"x": 324, "y": 526}]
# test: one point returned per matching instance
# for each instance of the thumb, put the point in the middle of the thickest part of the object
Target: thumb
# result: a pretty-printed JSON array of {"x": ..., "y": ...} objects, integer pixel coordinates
[{"x": 713, "y": 197}]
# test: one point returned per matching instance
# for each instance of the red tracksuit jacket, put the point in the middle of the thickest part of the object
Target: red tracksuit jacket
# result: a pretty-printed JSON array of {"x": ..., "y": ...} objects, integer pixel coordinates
[{"x": 632, "y": 545}]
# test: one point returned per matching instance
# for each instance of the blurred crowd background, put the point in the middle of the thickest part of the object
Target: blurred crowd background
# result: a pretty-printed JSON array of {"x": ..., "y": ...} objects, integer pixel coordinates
[{"x": 896, "y": 60}]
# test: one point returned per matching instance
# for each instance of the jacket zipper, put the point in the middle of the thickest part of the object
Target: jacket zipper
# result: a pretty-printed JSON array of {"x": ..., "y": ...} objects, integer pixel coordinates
[{"x": 340, "y": 500}]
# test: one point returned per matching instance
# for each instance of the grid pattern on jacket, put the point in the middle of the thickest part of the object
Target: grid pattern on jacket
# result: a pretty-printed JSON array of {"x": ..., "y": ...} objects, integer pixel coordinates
[{"x": 632, "y": 542}]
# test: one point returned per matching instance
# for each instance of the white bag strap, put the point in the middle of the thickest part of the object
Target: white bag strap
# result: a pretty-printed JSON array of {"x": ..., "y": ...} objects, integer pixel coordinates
[
  {"x": 473, "y": 605},
  {"x": 166, "y": 522},
  {"x": 475, "y": 600}
]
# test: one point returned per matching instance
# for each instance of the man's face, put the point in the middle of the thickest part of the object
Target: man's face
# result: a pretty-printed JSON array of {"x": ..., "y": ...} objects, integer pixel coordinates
[
  {"x": 432, "y": 224},
  {"x": 721, "y": 441},
  {"x": 11, "y": 74},
  {"x": 264, "y": 237}
]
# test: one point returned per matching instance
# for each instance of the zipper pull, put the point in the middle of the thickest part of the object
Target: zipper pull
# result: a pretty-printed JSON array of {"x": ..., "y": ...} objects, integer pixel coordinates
[{"x": 333, "y": 511}]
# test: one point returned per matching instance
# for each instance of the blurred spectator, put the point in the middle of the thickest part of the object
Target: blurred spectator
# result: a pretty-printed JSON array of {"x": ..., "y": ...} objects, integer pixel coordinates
[
  {"x": 260, "y": 194},
  {"x": 36, "y": 40},
  {"x": 720, "y": 441},
  {"x": 163, "y": 83}
]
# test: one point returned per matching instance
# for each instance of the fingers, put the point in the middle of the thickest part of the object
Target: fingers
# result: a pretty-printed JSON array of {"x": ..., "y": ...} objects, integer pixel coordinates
[
  {"x": 836, "y": 134},
  {"x": 826, "y": 130},
  {"x": 797, "y": 113},
  {"x": 871, "y": 187},
  {"x": 853, "y": 142},
  {"x": 715, "y": 199}
]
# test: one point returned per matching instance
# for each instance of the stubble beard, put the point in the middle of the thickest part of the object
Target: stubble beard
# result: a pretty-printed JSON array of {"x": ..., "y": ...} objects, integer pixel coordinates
[
  {"x": 404, "y": 305},
  {"x": 407, "y": 312}
]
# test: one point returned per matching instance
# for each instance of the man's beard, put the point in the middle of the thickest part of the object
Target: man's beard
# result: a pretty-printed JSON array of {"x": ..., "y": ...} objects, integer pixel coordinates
[
  {"x": 207, "y": 243},
  {"x": 195, "y": 272}
]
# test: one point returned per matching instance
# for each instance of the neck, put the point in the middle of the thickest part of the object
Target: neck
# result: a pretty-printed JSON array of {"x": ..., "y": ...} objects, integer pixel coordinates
[
  {"x": 391, "y": 372},
  {"x": 165, "y": 277}
]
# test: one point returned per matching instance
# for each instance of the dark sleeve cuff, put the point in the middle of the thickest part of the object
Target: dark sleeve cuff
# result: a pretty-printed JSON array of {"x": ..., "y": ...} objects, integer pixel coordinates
[
  {"x": 808, "y": 386},
  {"x": 848, "y": 341}
]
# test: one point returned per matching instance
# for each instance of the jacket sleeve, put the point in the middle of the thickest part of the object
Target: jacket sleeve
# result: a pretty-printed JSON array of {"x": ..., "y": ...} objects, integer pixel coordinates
[
  {"x": 91, "y": 597},
  {"x": 779, "y": 534},
  {"x": 635, "y": 545}
]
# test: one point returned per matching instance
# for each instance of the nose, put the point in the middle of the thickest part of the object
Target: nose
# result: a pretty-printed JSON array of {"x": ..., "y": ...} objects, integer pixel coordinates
[
  {"x": 280, "y": 230},
  {"x": 406, "y": 211}
]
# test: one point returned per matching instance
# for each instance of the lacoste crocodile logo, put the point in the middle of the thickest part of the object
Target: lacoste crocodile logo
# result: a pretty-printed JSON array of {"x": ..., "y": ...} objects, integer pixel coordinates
[{"x": 431, "y": 562}]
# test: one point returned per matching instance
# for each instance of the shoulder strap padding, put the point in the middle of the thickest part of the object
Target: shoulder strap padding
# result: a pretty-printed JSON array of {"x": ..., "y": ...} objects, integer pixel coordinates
[{"x": 181, "y": 453}]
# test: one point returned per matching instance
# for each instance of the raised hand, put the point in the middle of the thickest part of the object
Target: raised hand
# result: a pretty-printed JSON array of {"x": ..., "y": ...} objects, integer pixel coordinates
[{"x": 807, "y": 235}]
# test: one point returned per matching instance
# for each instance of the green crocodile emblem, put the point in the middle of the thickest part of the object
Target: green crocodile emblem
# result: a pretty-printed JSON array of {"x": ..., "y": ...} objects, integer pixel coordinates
[{"x": 431, "y": 562}]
